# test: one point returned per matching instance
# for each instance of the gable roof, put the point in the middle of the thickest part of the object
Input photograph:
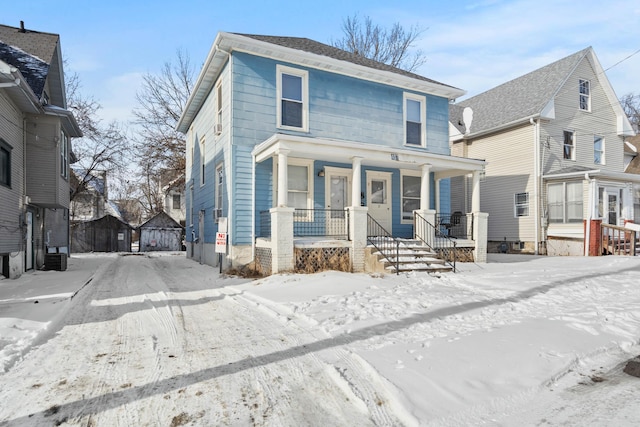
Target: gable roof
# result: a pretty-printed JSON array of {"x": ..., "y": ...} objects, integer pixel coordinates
[
  {"x": 306, "y": 53},
  {"x": 45, "y": 59},
  {"x": 161, "y": 220},
  {"x": 531, "y": 96}
]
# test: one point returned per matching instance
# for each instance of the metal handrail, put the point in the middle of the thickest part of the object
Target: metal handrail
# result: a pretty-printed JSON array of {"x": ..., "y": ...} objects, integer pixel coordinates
[
  {"x": 437, "y": 242},
  {"x": 383, "y": 241}
]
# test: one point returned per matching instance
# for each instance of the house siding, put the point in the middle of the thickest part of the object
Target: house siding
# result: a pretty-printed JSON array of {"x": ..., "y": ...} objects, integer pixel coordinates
[
  {"x": 12, "y": 203},
  {"x": 509, "y": 170},
  {"x": 601, "y": 121},
  {"x": 43, "y": 170}
]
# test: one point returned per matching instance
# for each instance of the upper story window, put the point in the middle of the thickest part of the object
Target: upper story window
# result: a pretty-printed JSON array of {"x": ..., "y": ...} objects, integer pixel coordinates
[
  {"x": 293, "y": 94},
  {"x": 598, "y": 150},
  {"x": 414, "y": 119},
  {"x": 202, "y": 162},
  {"x": 5, "y": 163},
  {"x": 64, "y": 155},
  {"x": 176, "y": 201},
  {"x": 521, "y": 204},
  {"x": 219, "y": 109},
  {"x": 585, "y": 95},
  {"x": 569, "y": 150},
  {"x": 219, "y": 187}
]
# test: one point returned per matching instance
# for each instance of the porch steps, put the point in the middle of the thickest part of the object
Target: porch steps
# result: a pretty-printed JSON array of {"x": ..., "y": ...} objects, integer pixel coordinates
[{"x": 413, "y": 256}]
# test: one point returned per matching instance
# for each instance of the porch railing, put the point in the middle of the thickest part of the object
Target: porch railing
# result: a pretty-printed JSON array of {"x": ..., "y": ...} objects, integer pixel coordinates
[
  {"x": 438, "y": 242},
  {"x": 617, "y": 240},
  {"x": 333, "y": 223},
  {"x": 384, "y": 242},
  {"x": 456, "y": 225}
]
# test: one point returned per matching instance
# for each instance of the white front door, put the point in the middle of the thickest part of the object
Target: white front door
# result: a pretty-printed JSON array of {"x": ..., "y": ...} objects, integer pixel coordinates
[
  {"x": 338, "y": 197},
  {"x": 379, "y": 198}
]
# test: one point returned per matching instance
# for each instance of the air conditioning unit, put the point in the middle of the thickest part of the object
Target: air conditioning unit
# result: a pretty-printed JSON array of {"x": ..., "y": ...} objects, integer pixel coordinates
[{"x": 218, "y": 128}]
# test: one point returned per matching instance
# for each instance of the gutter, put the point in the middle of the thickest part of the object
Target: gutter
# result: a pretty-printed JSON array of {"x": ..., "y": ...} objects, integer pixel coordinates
[{"x": 523, "y": 121}]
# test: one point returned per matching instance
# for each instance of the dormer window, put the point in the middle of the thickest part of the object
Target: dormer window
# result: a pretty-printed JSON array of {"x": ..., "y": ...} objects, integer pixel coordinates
[{"x": 585, "y": 95}]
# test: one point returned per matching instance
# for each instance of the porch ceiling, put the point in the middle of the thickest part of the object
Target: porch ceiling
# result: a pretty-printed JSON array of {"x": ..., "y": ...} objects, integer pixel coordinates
[{"x": 331, "y": 150}]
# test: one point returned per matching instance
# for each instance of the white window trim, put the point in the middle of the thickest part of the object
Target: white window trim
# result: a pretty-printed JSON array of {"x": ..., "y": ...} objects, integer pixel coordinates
[
  {"x": 516, "y": 205},
  {"x": 280, "y": 70},
  {"x": 423, "y": 118},
  {"x": 219, "y": 107},
  {"x": 588, "y": 96},
  {"x": 203, "y": 162},
  {"x": 218, "y": 191},
  {"x": 404, "y": 173},
  {"x": 602, "y": 158},
  {"x": 575, "y": 145},
  {"x": 565, "y": 202},
  {"x": 310, "y": 175}
]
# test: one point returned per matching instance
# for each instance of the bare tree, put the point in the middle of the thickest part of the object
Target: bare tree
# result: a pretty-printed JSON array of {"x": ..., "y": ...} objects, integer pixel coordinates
[
  {"x": 160, "y": 104},
  {"x": 631, "y": 105},
  {"x": 101, "y": 148},
  {"x": 392, "y": 46}
]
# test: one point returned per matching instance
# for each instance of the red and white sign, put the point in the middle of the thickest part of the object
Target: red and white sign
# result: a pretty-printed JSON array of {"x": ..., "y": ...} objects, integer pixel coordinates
[{"x": 221, "y": 242}]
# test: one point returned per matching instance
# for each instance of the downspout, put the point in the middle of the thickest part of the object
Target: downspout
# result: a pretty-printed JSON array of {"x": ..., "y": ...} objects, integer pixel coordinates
[
  {"x": 536, "y": 186},
  {"x": 253, "y": 207}
]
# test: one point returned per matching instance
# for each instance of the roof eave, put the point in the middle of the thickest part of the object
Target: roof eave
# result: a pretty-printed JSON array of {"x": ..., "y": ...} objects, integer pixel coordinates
[{"x": 228, "y": 42}]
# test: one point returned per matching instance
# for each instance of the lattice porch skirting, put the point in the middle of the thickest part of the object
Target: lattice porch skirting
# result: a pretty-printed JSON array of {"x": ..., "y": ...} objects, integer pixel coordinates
[{"x": 312, "y": 260}]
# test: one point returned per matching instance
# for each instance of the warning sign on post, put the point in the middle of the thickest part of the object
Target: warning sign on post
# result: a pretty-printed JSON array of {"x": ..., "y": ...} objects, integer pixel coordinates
[{"x": 221, "y": 242}]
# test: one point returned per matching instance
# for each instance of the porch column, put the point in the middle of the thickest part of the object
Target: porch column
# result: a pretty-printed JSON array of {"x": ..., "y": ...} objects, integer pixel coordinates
[
  {"x": 358, "y": 237},
  {"x": 356, "y": 182},
  {"x": 282, "y": 179},
  {"x": 425, "y": 186},
  {"x": 480, "y": 222},
  {"x": 438, "y": 195},
  {"x": 475, "y": 192},
  {"x": 281, "y": 239}
]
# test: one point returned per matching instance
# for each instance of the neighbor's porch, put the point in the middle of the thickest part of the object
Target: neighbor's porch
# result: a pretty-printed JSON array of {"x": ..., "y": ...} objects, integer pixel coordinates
[{"x": 396, "y": 191}]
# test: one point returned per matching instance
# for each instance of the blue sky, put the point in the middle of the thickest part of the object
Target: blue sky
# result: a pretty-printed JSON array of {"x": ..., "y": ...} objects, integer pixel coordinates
[{"x": 473, "y": 45}]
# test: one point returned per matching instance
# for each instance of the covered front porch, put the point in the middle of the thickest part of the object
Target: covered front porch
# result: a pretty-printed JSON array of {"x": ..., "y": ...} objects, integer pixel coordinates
[{"x": 318, "y": 199}]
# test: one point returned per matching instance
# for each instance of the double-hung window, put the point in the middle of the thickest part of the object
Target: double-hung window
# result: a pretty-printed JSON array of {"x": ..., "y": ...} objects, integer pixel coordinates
[
  {"x": 64, "y": 155},
  {"x": 564, "y": 202},
  {"x": 293, "y": 94},
  {"x": 585, "y": 95},
  {"x": 176, "y": 201},
  {"x": 598, "y": 150},
  {"x": 414, "y": 119},
  {"x": 5, "y": 163},
  {"x": 521, "y": 204},
  {"x": 219, "y": 188},
  {"x": 203, "y": 163},
  {"x": 569, "y": 146},
  {"x": 219, "y": 109},
  {"x": 410, "y": 196}
]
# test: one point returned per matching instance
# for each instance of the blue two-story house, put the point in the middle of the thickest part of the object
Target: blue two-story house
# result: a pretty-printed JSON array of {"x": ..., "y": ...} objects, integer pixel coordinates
[{"x": 304, "y": 153}]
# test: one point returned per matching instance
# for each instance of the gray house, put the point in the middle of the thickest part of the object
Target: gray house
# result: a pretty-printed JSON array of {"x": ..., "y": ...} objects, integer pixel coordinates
[
  {"x": 35, "y": 150},
  {"x": 161, "y": 233},
  {"x": 554, "y": 144}
]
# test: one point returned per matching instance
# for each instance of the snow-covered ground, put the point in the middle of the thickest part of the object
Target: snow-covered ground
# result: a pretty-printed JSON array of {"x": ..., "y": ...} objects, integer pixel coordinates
[{"x": 161, "y": 340}]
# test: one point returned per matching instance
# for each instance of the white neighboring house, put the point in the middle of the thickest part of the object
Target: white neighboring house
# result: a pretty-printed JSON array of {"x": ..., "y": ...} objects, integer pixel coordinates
[
  {"x": 174, "y": 200},
  {"x": 554, "y": 144}
]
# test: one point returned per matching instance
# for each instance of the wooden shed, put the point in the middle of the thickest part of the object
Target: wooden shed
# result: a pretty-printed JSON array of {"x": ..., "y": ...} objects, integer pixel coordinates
[
  {"x": 161, "y": 233},
  {"x": 106, "y": 234}
]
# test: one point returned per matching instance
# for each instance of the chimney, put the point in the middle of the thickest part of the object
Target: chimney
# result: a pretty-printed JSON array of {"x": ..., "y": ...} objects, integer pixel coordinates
[{"x": 22, "y": 30}]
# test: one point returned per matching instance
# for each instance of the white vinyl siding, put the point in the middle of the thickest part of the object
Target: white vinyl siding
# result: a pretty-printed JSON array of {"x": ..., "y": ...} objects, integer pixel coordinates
[{"x": 509, "y": 171}]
